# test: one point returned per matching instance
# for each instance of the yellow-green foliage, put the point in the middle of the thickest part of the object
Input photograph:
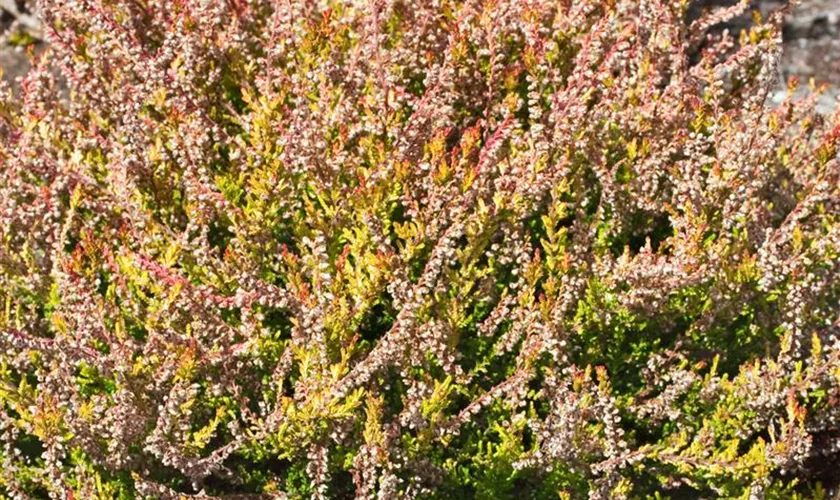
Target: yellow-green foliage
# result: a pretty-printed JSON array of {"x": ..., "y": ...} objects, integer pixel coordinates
[{"x": 415, "y": 249}]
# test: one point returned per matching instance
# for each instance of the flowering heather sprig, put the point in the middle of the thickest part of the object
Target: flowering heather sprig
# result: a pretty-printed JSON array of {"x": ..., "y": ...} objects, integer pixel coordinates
[{"x": 414, "y": 249}]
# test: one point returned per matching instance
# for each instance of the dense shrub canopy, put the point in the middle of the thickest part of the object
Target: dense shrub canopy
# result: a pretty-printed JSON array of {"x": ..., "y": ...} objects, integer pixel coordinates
[{"x": 414, "y": 249}]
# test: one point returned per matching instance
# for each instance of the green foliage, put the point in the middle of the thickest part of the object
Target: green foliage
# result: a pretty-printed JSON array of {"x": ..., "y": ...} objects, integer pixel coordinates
[{"x": 499, "y": 250}]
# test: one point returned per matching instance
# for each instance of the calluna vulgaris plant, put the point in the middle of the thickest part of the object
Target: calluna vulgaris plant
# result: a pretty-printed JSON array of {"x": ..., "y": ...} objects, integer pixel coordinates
[{"x": 415, "y": 249}]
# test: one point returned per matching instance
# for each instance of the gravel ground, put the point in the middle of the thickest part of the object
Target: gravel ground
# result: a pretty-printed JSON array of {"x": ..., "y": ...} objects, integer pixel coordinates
[
  {"x": 15, "y": 19},
  {"x": 812, "y": 48}
]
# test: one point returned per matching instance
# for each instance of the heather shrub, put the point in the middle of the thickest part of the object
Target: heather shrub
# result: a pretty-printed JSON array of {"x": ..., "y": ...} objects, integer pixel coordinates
[{"x": 415, "y": 249}]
